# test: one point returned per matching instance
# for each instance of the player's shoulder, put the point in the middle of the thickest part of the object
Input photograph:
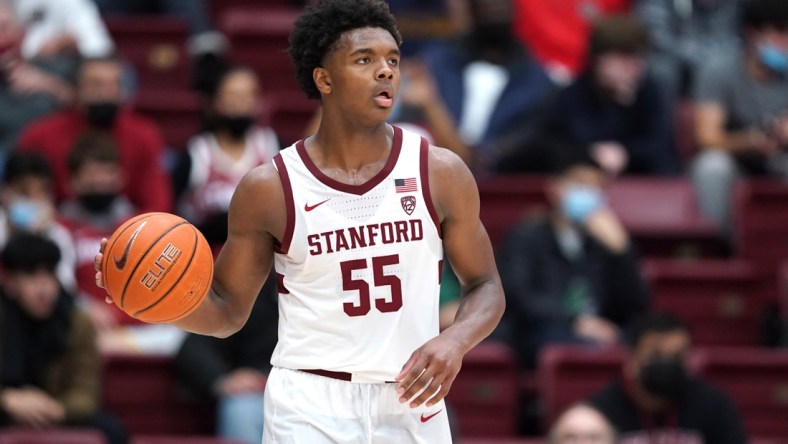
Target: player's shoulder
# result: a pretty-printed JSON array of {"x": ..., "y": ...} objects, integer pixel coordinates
[
  {"x": 261, "y": 179},
  {"x": 445, "y": 164}
]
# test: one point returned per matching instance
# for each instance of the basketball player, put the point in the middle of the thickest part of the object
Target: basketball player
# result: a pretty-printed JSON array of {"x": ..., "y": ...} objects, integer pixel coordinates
[{"x": 355, "y": 220}]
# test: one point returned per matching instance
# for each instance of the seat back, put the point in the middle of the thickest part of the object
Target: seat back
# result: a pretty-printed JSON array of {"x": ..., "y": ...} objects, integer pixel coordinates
[
  {"x": 662, "y": 216},
  {"x": 484, "y": 394},
  {"x": 21, "y": 435},
  {"x": 569, "y": 373},
  {"x": 505, "y": 200},
  {"x": 156, "y": 46},
  {"x": 143, "y": 392},
  {"x": 259, "y": 39},
  {"x": 756, "y": 379},
  {"x": 721, "y": 301},
  {"x": 761, "y": 222}
]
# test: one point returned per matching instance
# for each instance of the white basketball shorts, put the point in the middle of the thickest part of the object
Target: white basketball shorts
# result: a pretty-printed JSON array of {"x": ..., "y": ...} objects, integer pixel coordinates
[{"x": 303, "y": 408}]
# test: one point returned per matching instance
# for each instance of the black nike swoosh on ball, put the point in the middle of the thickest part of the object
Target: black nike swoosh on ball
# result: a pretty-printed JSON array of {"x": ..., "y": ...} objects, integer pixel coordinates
[{"x": 121, "y": 263}]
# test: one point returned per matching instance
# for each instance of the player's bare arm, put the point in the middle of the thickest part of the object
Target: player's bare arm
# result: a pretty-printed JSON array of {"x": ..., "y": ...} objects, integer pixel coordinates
[
  {"x": 255, "y": 217},
  {"x": 468, "y": 248}
]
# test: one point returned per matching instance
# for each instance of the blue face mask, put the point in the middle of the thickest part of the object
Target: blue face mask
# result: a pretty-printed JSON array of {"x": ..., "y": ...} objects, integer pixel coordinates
[
  {"x": 578, "y": 202},
  {"x": 773, "y": 57},
  {"x": 24, "y": 214}
]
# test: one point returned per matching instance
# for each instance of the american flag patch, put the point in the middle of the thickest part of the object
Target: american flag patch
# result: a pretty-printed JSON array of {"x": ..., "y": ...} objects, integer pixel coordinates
[{"x": 406, "y": 185}]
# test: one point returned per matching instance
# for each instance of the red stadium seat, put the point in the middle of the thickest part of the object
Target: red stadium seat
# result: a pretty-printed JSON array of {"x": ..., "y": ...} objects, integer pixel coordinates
[
  {"x": 183, "y": 439},
  {"x": 761, "y": 222},
  {"x": 493, "y": 440},
  {"x": 484, "y": 395},
  {"x": 259, "y": 39},
  {"x": 156, "y": 46},
  {"x": 218, "y": 7},
  {"x": 505, "y": 200},
  {"x": 722, "y": 301},
  {"x": 177, "y": 114},
  {"x": 290, "y": 113},
  {"x": 685, "y": 130},
  {"x": 142, "y": 391},
  {"x": 19, "y": 435},
  {"x": 757, "y": 379},
  {"x": 568, "y": 374},
  {"x": 662, "y": 216}
]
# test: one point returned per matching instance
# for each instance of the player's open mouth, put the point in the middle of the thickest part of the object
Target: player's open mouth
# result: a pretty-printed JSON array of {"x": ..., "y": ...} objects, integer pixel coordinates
[{"x": 384, "y": 99}]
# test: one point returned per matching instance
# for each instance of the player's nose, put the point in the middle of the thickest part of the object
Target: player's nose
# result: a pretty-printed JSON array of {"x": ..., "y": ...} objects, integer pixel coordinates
[{"x": 385, "y": 72}]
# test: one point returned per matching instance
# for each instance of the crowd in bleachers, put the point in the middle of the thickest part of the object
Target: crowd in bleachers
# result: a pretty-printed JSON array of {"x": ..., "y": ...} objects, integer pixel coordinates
[{"x": 631, "y": 157}]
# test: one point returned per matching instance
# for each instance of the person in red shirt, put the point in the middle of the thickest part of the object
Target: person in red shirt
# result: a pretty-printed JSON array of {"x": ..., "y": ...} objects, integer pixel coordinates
[
  {"x": 556, "y": 32},
  {"x": 100, "y": 106}
]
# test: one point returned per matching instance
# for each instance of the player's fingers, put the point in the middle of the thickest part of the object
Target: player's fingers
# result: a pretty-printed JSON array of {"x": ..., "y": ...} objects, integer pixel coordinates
[
  {"x": 97, "y": 261},
  {"x": 442, "y": 392},
  {"x": 99, "y": 280},
  {"x": 429, "y": 391},
  {"x": 418, "y": 385},
  {"x": 408, "y": 365},
  {"x": 411, "y": 373},
  {"x": 102, "y": 245}
]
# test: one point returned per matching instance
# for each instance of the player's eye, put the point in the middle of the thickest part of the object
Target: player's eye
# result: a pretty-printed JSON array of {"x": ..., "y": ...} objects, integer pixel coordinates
[
  {"x": 363, "y": 60},
  {"x": 394, "y": 62}
]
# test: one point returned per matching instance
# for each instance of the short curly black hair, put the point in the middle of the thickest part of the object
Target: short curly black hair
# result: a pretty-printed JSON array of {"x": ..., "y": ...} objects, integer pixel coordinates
[{"x": 318, "y": 29}]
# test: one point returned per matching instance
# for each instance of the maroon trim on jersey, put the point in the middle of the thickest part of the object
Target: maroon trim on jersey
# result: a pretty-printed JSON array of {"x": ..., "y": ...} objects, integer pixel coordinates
[
  {"x": 424, "y": 151},
  {"x": 396, "y": 147},
  {"x": 440, "y": 271},
  {"x": 284, "y": 245},
  {"x": 280, "y": 284}
]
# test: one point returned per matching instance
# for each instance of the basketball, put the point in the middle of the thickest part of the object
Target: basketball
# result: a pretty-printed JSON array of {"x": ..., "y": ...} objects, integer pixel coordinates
[{"x": 157, "y": 267}]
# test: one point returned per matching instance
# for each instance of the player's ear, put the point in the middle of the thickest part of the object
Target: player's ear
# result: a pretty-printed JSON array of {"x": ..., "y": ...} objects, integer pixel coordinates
[{"x": 322, "y": 80}]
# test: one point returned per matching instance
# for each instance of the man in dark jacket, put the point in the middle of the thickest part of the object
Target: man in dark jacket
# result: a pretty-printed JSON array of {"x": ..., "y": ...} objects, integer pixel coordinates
[
  {"x": 656, "y": 401},
  {"x": 49, "y": 364},
  {"x": 570, "y": 276}
]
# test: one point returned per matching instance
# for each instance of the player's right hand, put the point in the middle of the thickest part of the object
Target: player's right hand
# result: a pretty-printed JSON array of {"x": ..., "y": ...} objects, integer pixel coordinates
[{"x": 97, "y": 266}]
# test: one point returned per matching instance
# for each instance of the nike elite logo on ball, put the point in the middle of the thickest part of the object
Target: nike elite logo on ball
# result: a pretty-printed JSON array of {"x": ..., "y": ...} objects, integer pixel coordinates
[
  {"x": 121, "y": 263},
  {"x": 428, "y": 417},
  {"x": 309, "y": 208}
]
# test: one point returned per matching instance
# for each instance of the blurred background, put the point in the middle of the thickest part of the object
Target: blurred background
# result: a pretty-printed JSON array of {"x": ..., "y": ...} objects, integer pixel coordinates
[{"x": 632, "y": 164}]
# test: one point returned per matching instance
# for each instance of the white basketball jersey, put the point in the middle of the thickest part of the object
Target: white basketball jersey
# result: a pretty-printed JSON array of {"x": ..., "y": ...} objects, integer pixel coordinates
[{"x": 359, "y": 265}]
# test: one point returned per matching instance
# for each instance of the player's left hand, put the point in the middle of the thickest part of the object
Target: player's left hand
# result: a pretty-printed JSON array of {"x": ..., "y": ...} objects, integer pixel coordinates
[{"x": 430, "y": 372}]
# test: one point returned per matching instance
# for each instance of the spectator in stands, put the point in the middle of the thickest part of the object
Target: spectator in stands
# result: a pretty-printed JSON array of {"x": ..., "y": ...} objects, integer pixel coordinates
[
  {"x": 50, "y": 366},
  {"x": 28, "y": 207},
  {"x": 570, "y": 277},
  {"x": 490, "y": 85},
  {"x": 657, "y": 401},
  {"x": 614, "y": 110},
  {"x": 232, "y": 372},
  {"x": 62, "y": 27},
  {"x": 95, "y": 211},
  {"x": 684, "y": 35},
  {"x": 557, "y": 32},
  {"x": 582, "y": 424},
  {"x": 29, "y": 87},
  {"x": 742, "y": 110},
  {"x": 232, "y": 144},
  {"x": 100, "y": 106}
]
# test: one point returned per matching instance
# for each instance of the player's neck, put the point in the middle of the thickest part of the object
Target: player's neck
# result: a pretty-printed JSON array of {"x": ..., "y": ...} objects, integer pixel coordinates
[{"x": 339, "y": 145}]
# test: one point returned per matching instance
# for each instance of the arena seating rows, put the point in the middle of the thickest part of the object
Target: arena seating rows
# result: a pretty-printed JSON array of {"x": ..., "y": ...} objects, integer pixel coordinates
[{"x": 721, "y": 293}]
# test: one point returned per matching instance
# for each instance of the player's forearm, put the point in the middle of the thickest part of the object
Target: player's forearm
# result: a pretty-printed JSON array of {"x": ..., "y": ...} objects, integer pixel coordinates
[
  {"x": 218, "y": 315},
  {"x": 481, "y": 308}
]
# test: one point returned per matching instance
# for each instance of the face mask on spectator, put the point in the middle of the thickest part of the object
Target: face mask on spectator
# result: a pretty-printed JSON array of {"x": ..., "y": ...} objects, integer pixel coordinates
[
  {"x": 235, "y": 126},
  {"x": 102, "y": 114},
  {"x": 773, "y": 57},
  {"x": 578, "y": 202},
  {"x": 24, "y": 214},
  {"x": 663, "y": 377},
  {"x": 97, "y": 202}
]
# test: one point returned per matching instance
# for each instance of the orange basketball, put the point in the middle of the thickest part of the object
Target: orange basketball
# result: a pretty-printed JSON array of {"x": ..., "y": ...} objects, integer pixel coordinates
[{"x": 157, "y": 267}]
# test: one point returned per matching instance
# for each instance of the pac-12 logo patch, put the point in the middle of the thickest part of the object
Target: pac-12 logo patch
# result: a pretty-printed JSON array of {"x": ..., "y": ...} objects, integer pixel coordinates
[{"x": 408, "y": 204}]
